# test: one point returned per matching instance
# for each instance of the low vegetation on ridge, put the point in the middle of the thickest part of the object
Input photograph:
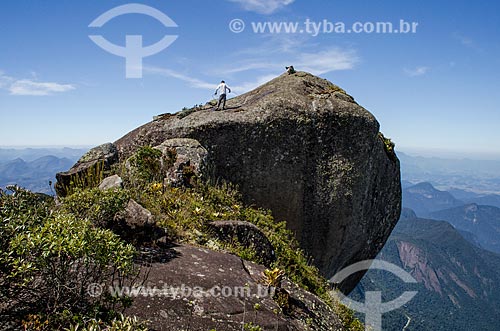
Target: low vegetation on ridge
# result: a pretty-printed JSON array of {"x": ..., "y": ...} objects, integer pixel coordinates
[{"x": 51, "y": 253}]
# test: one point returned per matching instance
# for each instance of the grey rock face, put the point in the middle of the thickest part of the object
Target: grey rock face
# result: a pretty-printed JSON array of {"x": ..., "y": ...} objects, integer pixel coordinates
[
  {"x": 136, "y": 224},
  {"x": 102, "y": 152},
  {"x": 111, "y": 182},
  {"x": 302, "y": 147},
  {"x": 189, "y": 275},
  {"x": 102, "y": 157},
  {"x": 247, "y": 235},
  {"x": 190, "y": 159}
]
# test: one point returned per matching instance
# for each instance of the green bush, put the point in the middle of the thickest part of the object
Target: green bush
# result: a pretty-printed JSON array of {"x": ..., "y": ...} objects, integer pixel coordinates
[
  {"x": 97, "y": 206},
  {"x": 149, "y": 164},
  {"x": 388, "y": 146},
  {"x": 50, "y": 257},
  {"x": 20, "y": 211}
]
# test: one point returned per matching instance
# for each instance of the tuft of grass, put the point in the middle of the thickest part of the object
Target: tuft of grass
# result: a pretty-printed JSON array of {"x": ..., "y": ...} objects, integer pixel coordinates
[
  {"x": 187, "y": 111},
  {"x": 89, "y": 178},
  {"x": 120, "y": 323},
  {"x": 334, "y": 88},
  {"x": 346, "y": 316},
  {"x": 389, "y": 146}
]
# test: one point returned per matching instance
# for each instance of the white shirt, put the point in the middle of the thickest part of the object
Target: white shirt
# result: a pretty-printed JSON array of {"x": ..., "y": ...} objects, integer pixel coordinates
[{"x": 222, "y": 88}]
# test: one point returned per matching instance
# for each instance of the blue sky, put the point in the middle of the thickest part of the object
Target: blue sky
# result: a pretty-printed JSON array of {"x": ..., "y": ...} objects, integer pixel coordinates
[{"x": 434, "y": 90}]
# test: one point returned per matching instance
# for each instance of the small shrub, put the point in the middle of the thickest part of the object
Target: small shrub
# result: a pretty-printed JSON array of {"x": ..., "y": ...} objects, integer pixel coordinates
[
  {"x": 251, "y": 327},
  {"x": 282, "y": 299},
  {"x": 389, "y": 146},
  {"x": 49, "y": 259},
  {"x": 69, "y": 255},
  {"x": 98, "y": 206},
  {"x": 148, "y": 164},
  {"x": 273, "y": 277}
]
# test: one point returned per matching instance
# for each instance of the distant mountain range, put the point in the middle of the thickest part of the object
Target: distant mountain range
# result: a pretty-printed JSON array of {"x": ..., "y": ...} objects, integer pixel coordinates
[
  {"x": 482, "y": 222},
  {"x": 424, "y": 198},
  {"x": 479, "y": 176},
  {"x": 479, "y": 224},
  {"x": 449, "y": 241},
  {"x": 33, "y": 169},
  {"x": 457, "y": 281},
  {"x": 31, "y": 154}
]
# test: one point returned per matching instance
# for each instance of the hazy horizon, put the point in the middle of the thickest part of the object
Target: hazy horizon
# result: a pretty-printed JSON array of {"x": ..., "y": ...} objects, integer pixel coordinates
[{"x": 413, "y": 152}]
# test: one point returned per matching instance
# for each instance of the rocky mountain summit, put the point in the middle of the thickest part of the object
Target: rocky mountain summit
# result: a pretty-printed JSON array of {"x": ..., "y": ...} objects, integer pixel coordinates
[{"x": 297, "y": 145}]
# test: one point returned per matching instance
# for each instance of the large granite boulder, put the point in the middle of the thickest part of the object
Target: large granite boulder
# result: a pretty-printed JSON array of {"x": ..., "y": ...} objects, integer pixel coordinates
[{"x": 302, "y": 147}]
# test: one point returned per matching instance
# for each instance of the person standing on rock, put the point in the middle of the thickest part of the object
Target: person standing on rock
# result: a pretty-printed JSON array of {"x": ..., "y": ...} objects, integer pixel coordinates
[{"x": 221, "y": 90}]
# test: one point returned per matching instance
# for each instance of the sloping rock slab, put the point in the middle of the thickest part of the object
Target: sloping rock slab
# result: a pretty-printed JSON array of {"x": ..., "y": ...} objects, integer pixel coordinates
[
  {"x": 184, "y": 300},
  {"x": 247, "y": 235}
]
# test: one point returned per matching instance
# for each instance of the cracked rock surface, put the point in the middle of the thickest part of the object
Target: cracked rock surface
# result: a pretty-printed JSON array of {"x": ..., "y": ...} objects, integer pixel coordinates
[{"x": 200, "y": 289}]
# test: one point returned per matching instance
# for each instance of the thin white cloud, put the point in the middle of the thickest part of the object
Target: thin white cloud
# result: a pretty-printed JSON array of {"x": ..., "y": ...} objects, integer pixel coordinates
[
  {"x": 248, "y": 86},
  {"x": 31, "y": 87},
  {"x": 333, "y": 59},
  {"x": 276, "y": 43},
  {"x": 418, "y": 71},
  {"x": 467, "y": 42},
  {"x": 4, "y": 80},
  {"x": 194, "y": 82},
  {"x": 464, "y": 40},
  {"x": 263, "y": 6},
  {"x": 198, "y": 83}
]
